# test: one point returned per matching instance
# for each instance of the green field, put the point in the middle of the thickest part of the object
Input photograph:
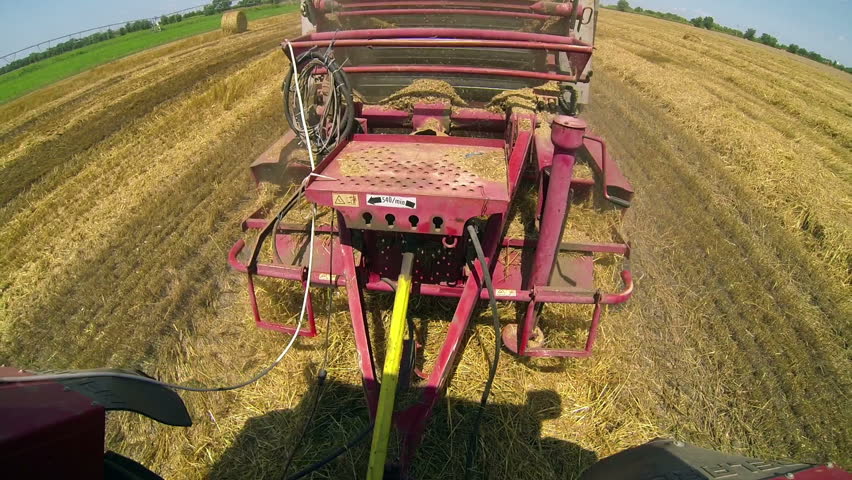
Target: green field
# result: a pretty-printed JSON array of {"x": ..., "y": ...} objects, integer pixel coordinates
[{"x": 32, "y": 77}]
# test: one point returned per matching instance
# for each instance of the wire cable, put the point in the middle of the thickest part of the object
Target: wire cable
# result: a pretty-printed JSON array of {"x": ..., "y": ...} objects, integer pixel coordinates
[
  {"x": 320, "y": 384},
  {"x": 364, "y": 434},
  {"x": 498, "y": 344},
  {"x": 307, "y": 138},
  {"x": 323, "y": 373},
  {"x": 258, "y": 376},
  {"x": 271, "y": 226},
  {"x": 335, "y": 120}
]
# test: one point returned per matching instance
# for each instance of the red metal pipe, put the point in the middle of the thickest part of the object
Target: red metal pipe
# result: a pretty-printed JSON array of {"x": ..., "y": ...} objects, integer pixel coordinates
[
  {"x": 433, "y": 3},
  {"x": 478, "y": 118},
  {"x": 567, "y": 136},
  {"x": 436, "y": 69},
  {"x": 604, "y": 166},
  {"x": 519, "y": 154},
  {"x": 542, "y": 294},
  {"x": 442, "y": 11},
  {"x": 360, "y": 327},
  {"x": 413, "y": 420},
  {"x": 463, "y": 118},
  {"x": 442, "y": 43},
  {"x": 585, "y": 353},
  {"x": 546, "y": 295},
  {"x": 457, "y": 33}
]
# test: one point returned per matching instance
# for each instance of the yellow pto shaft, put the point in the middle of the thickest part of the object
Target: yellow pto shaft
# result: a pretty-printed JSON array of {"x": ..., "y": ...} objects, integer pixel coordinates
[{"x": 390, "y": 374}]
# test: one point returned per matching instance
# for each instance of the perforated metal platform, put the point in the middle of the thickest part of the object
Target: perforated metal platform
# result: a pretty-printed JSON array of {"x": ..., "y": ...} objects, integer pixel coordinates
[{"x": 413, "y": 183}]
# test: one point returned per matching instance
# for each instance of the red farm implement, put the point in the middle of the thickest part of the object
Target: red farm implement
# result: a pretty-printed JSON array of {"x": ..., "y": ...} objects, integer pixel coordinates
[{"x": 427, "y": 132}]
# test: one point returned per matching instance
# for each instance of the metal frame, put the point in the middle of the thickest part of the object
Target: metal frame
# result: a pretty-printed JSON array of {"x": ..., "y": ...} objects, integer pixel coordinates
[
  {"x": 345, "y": 271},
  {"x": 358, "y": 260},
  {"x": 578, "y": 52}
]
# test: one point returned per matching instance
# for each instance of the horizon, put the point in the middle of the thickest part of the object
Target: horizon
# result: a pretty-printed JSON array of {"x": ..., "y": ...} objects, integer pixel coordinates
[
  {"x": 827, "y": 21},
  {"x": 831, "y": 39}
]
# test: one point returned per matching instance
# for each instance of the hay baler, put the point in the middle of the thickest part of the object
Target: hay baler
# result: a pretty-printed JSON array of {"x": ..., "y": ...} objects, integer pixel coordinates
[{"x": 431, "y": 122}]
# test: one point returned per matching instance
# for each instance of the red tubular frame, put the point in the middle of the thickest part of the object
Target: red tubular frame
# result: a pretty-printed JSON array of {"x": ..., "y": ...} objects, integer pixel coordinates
[
  {"x": 300, "y": 45},
  {"x": 493, "y": 199},
  {"x": 578, "y": 52},
  {"x": 568, "y": 137},
  {"x": 502, "y": 72},
  {"x": 544, "y": 8},
  {"x": 457, "y": 33},
  {"x": 543, "y": 295},
  {"x": 429, "y": 3},
  {"x": 442, "y": 11}
]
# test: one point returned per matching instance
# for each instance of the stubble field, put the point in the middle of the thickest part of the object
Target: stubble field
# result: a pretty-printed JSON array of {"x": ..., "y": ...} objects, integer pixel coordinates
[{"x": 123, "y": 189}]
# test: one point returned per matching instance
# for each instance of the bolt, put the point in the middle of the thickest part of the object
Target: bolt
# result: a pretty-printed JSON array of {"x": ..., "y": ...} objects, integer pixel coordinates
[
  {"x": 789, "y": 475},
  {"x": 95, "y": 404},
  {"x": 678, "y": 443},
  {"x": 830, "y": 464},
  {"x": 66, "y": 389}
]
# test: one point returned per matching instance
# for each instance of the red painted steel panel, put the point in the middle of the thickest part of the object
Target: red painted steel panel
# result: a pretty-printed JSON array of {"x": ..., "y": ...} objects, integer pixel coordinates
[
  {"x": 819, "y": 473},
  {"x": 438, "y": 196},
  {"x": 49, "y": 432}
]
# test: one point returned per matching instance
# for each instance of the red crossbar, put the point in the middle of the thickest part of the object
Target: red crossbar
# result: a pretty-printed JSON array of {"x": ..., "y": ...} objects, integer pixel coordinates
[
  {"x": 433, "y": 3},
  {"x": 451, "y": 33},
  {"x": 442, "y": 43},
  {"x": 433, "y": 69},
  {"x": 442, "y": 11}
]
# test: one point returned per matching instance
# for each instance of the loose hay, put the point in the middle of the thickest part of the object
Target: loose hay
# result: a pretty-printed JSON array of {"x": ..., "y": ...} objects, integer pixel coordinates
[
  {"x": 489, "y": 164},
  {"x": 424, "y": 90},
  {"x": 520, "y": 100},
  {"x": 234, "y": 21},
  {"x": 352, "y": 164}
]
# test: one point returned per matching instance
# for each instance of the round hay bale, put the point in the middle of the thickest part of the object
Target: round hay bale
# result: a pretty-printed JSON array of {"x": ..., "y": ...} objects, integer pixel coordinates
[{"x": 234, "y": 22}]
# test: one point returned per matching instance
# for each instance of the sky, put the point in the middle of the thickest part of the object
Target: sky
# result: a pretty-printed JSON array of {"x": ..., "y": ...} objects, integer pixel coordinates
[
  {"x": 27, "y": 22},
  {"x": 824, "y": 26}
]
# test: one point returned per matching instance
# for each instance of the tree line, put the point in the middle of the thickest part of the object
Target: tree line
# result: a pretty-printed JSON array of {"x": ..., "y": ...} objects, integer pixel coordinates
[
  {"x": 213, "y": 8},
  {"x": 750, "y": 34}
]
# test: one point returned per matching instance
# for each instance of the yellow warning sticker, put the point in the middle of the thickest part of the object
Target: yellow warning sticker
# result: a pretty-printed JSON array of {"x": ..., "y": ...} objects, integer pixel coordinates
[
  {"x": 345, "y": 199},
  {"x": 505, "y": 293}
]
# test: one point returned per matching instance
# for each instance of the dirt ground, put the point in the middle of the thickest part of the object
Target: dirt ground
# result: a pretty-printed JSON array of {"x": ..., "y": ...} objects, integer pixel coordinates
[{"x": 123, "y": 189}]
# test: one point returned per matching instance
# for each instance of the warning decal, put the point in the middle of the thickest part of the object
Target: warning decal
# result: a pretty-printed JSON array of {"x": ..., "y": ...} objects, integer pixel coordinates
[
  {"x": 391, "y": 201},
  {"x": 345, "y": 199}
]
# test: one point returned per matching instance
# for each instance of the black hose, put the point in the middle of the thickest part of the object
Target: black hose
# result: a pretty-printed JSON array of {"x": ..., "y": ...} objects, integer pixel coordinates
[
  {"x": 498, "y": 344},
  {"x": 270, "y": 228},
  {"x": 333, "y": 455},
  {"x": 341, "y": 109},
  {"x": 320, "y": 384}
]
